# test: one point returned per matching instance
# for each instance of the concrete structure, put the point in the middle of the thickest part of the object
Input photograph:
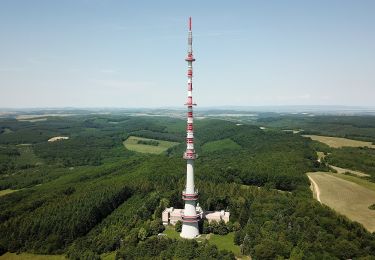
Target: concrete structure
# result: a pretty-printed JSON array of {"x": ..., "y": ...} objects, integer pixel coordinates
[
  {"x": 190, "y": 194},
  {"x": 216, "y": 216},
  {"x": 170, "y": 216}
]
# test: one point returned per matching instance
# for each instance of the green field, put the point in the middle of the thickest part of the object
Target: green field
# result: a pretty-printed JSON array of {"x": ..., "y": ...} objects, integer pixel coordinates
[
  {"x": 346, "y": 197},
  {"x": 223, "y": 242},
  {"x": 27, "y": 155},
  {"x": 338, "y": 142},
  {"x": 5, "y": 192},
  {"x": 171, "y": 232},
  {"x": 108, "y": 256},
  {"x": 7, "y": 131},
  {"x": 344, "y": 170},
  {"x": 224, "y": 144},
  {"x": 27, "y": 256},
  {"x": 132, "y": 144},
  {"x": 360, "y": 181}
]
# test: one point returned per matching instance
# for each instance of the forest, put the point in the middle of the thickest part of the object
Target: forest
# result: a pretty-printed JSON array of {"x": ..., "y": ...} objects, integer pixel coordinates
[{"x": 89, "y": 195}]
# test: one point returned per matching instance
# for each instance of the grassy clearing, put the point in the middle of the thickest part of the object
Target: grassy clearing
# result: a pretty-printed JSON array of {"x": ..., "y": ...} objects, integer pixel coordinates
[
  {"x": 224, "y": 144},
  {"x": 360, "y": 181},
  {"x": 7, "y": 191},
  {"x": 320, "y": 155},
  {"x": 346, "y": 197},
  {"x": 27, "y": 155},
  {"x": 27, "y": 256},
  {"x": 7, "y": 131},
  {"x": 171, "y": 233},
  {"x": 337, "y": 142},
  {"x": 222, "y": 242},
  {"x": 343, "y": 170},
  {"x": 225, "y": 242},
  {"x": 108, "y": 256},
  {"x": 132, "y": 144}
]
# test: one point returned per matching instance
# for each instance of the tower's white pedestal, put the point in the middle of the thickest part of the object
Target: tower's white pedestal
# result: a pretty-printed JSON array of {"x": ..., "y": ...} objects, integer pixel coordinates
[{"x": 190, "y": 230}]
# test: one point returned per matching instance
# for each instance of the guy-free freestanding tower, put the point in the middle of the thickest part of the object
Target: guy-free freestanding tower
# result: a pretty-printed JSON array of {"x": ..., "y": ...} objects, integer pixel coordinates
[{"x": 190, "y": 195}]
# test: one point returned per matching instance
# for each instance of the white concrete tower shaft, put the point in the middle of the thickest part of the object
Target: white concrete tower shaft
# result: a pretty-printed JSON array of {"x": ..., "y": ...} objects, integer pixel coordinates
[{"x": 190, "y": 195}]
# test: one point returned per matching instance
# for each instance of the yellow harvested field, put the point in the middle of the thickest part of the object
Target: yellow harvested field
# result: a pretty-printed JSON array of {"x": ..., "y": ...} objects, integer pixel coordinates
[
  {"x": 132, "y": 144},
  {"x": 337, "y": 142},
  {"x": 343, "y": 170},
  {"x": 27, "y": 256},
  {"x": 345, "y": 197},
  {"x": 58, "y": 138}
]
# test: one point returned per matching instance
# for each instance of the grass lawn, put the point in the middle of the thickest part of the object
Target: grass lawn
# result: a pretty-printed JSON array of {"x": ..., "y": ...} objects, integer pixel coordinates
[
  {"x": 27, "y": 256},
  {"x": 225, "y": 242},
  {"x": 171, "y": 233},
  {"x": 108, "y": 256},
  {"x": 337, "y": 142},
  {"x": 346, "y": 197},
  {"x": 224, "y": 144},
  {"x": 132, "y": 144},
  {"x": 7, "y": 191},
  {"x": 222, "y": 242}
]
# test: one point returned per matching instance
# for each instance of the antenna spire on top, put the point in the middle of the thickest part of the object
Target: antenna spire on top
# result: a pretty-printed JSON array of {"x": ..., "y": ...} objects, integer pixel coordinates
[{"x": 190, "y": 23}]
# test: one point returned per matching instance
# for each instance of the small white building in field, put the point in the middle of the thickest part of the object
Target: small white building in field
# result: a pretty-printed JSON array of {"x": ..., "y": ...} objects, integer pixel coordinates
[{"x": 172, "y": 215}]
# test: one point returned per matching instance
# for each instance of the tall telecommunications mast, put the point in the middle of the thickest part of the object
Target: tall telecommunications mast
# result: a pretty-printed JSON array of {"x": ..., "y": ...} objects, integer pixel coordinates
[{"x": 190, "y": 194}]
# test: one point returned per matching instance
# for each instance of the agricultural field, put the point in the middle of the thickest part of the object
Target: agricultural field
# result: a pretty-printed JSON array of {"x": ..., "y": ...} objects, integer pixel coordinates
[
  {"x": 364, "y": 182},
  {"x": 338, "y": 142},
  {"x": 138, "y": 144},
  {"x": 343, "y": 170},
  {"x": 346, "y": 197},
  {"x": 224, "y": 144}
]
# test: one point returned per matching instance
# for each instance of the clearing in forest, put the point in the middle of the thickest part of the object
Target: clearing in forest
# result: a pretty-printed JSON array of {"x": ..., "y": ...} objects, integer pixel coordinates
[
  {"x": 343, "y": 171},
  {"x": 146, "y": 145},
  {"x": 223, "y": 242},
  {"x": 345, "y": 197},
  {"x": 27, "y": 155},
  {"x": 7, "y": 191},
  {"x": 58, "y": 138},
  {"x": 337, "y": 142},
  {"x": 224, "y": 144},
  {"x": 27, "y": 256}
]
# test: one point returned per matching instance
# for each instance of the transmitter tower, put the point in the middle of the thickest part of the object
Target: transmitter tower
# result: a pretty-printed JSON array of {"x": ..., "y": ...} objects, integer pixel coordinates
[{"x": 190, "y": 217}]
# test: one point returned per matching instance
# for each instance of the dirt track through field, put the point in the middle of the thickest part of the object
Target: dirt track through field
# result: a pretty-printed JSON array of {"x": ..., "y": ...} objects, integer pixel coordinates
[{"x": 345, "y": 197}]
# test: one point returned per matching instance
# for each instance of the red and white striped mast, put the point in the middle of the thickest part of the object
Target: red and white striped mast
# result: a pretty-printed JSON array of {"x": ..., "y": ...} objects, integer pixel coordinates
[{"x": 190, "y": 195}]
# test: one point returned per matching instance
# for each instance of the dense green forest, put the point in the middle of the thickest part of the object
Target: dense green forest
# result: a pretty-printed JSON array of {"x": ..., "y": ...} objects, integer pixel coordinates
[
  {"x": 355, "y": 127},
  {"x": 88, "y": 195},
  {"x": 359, "y": 158}
]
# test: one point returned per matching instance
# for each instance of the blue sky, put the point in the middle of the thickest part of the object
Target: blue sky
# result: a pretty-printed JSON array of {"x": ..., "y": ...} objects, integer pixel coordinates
[{"x": 98, "y": 53}]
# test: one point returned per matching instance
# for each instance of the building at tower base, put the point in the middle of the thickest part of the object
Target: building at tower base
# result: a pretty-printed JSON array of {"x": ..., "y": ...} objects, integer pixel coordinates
[{"x": 171, "y": 216}]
